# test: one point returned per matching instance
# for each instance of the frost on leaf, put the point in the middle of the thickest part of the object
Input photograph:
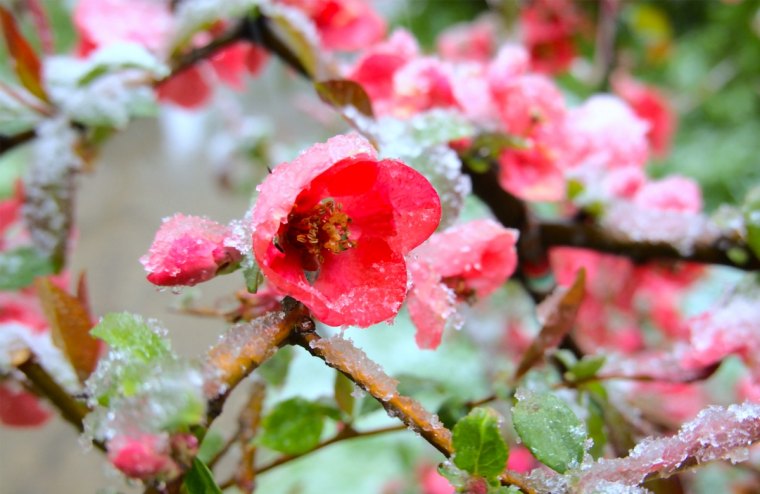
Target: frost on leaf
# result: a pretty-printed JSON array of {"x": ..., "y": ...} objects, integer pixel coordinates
[
  {"x": 716, "y": 433},
  {"x": 192, "y": 17},
  {"x": 15, "y": 116},
  {"x": 108, "y": 88},
  {"x": 342, "y": 354},
  {"x": 141, "y": 387},
  {"x": 49, "y": 188}
]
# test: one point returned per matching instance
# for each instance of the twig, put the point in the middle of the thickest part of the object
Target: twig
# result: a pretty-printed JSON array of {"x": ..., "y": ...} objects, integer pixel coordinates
[
  {"x": 71, "y": 410},
  {"x": 249, "y": 421},
  {"x": 406, "y": 409}
]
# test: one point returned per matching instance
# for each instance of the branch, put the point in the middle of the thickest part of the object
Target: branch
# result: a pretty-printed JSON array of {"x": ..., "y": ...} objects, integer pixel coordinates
[
  {"x": 246, "y": 346},
  {"x": 343, "y": 356},
  {"x": 70, "y": 409}
]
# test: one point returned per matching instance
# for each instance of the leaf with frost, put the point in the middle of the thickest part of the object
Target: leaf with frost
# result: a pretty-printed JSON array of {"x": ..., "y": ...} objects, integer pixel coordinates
[
  {"x": 200, "y": 480},
  {"x": 557, "y": 314},
  {"x": 293, "y": 427},
  {"x": 549, "y": 429},
  {"x": 19, "y": 267},
  {"x": 478, "y": 446},
  {"x": 118, "y": 56},
  {"x": 291, "y": 27}
]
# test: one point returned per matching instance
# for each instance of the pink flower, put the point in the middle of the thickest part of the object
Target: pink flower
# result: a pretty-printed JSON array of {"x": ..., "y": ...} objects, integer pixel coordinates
[
  {"x": 20, "y": 408},
  {"x": 548, "y": 30},
  {"x": 433, "y": 482},
  {"x": 142, "y": 457},
  {"x": 102, "y": 22},
  {"x": 464, "y": 262},
  {"x": 528, "y": 103},
  {"x": 377, "y": 65},
  {"x": 423, "y": 84},
  {"x": 474, "y": 41},
  {"x": 149, "y": 24},
  {"x": 650, "y": 105},
  {"x": 604, "y": 134},
  {"x": 343, "y": 24},
  {"x": 188, "y": 250},
  {"x": 331, "y": 229},
  {"x": 674, "y": 193},
  {"x": 532, "y": 174}
]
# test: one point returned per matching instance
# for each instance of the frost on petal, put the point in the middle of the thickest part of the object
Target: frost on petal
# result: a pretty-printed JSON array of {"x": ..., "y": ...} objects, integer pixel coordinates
[
  {"x": 20, "y": 408},
  {"x": 604, "y": 133},
  {"x": 528, "y": 102},
  {"x": 188, "y": 250},
  {"x": 375, "y": 68},
  {"x": 532, "y": 173},
  {"x": 510, "y": 62},
  {"x": 716, "y": 433},
  {"x": 480, "y": 253},
  {"x": 142, "y": 457},
  {"x": 474, "y": 41},
  {"x": 674, "y": 193},
  {"x": 102, "y": 22},
  {"x": 431, "y": 305},
  {"x": 346, "y": 220},
  {"x": 422, "y": 84},
  {"x": 650, "y": 105}
]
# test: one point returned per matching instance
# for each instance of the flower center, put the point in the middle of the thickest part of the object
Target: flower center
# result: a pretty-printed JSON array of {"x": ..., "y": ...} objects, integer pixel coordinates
[
  {"x": 322, "y": 228},
  {"x": 463, "y": 292}
]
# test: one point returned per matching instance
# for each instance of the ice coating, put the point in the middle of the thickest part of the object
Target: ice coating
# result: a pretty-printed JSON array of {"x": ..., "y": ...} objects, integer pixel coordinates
[
  {"x": 188, "y": 250},
  {"x": 424, "y": 421},
  {"x": 360, "y": 232},
  {"x": 716, "y": 433},
  {"x": 683, "y": 230},
  {"x": 342, "y": 354},
  {"x": 242, "y": 344},
  {"x": 49, "y": 183}
]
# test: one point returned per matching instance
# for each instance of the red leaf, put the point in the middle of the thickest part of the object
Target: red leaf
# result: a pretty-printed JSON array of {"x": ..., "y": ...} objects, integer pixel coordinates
[
  {"x": 559, "y": 311},
  {"x": 70, "y": 326},
  {"x": 25, "y": 61}
]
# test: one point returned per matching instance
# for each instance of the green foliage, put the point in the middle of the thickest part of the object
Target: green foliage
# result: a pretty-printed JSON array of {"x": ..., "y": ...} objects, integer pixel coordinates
[
  {"x": 478, "y": 446},
  {"x": 130, "y": 334},
  {"x": 200, "y": 480},
  {"x": 275, "y": 369},
  {"x": 549, "y": 429},
  {"x": 343, "y": 390},
  {"x": 19, "y": 267},
  {"x": 751, "y": 212},
  {"x": 294, "y": 426},
  {"x": 212, "y": 443}
]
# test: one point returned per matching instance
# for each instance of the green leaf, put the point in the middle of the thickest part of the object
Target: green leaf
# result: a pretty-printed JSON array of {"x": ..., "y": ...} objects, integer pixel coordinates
[
  {"x": 19, "y": 267},
  {"x": 275, "y": 370},
  {"x": 586, "y": 368},
  {"x": 751, "y": 210},
  {"x": 344, "y": 393},
  {"x": 295, "y": 38},
  {"x": 596, "y": 429},
  {"x": 478, "y": 446},
  {"x": 129, "y": 333},
  {"x": 293, "y": 427},
  {"x": 549, "y": 429},
  {"x": 451, "y": 411},
  {"x": 213, "y": 442},
  {"x": 200, "y": 480}
]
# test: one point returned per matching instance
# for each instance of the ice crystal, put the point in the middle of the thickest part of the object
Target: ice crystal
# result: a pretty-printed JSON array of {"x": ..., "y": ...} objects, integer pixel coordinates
[
  {"x": 15, "y": 338},
  {"x": 682, "y": 230},
  {"x": 49, "y": 186},
  {"x": 341, "y": 353},
  {"x": 715, "y": 433}
]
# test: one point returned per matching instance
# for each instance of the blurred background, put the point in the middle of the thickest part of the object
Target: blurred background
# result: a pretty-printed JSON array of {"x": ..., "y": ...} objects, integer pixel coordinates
[{"x": 703, "y": 55}]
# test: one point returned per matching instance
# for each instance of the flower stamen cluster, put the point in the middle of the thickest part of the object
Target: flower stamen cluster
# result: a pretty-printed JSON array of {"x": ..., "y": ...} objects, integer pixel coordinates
[{"x": 322, "y": 228}]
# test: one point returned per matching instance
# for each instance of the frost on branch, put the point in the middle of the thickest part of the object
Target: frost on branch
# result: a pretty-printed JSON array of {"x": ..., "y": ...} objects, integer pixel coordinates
[
  {"x": 49, "y": 188},
  {"x": 716, "y": 433},
  {"x": 341, "y": 353}
]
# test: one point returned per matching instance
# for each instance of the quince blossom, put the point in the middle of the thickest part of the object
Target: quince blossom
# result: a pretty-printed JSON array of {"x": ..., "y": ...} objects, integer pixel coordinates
[
  {"x": 651, "y": 106},
  {"x": 331, "y": 229},
  {"x": 461, "y": 264},
  {"x": 188, "y": 250}
]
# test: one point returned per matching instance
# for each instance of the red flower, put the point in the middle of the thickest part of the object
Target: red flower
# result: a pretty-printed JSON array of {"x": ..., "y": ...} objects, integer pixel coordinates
[
  {"x": 20, "y": 408},
  {"x": 143, "y": 457},
  {"x": 331, "y": 229},
  {"x": 188, "y": 250},
  {"x": 463, "y": 263},
  {"x": 343, "y": 24},
  {"x": 548, "y": 30},
  {"x": 651, "y": 106}
]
